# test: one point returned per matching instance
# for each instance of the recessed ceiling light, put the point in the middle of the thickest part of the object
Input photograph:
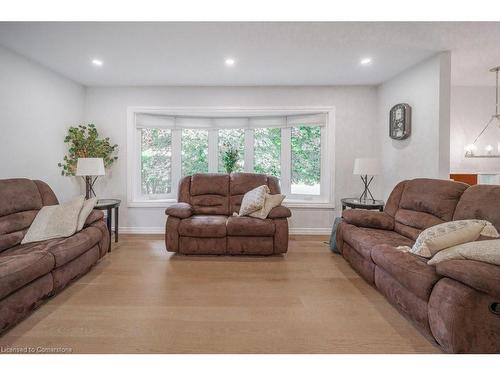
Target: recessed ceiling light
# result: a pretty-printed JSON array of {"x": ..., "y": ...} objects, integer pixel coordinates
[
  {"x": 97, "y": 62},
  {"x": 366, "y": 61},
  {"x": 230, "y": 62}
]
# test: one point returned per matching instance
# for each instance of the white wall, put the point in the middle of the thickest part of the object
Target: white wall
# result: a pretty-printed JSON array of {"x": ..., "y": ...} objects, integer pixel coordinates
[
  {"x": 354, "y": 133},
  {"x": 36, "y": 108},
  {"x": 426, "y": 88},
  {"x": 471, "y": 108}
]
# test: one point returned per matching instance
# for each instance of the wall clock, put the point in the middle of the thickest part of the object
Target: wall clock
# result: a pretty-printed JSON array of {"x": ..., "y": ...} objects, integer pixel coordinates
[{"x": 400, "y": 121}]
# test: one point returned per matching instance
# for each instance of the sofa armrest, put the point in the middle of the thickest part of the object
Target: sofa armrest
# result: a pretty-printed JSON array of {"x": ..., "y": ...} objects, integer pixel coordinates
[
  {"x": 95, "y": 215},
  {"x": 279, "y": 212},
  {"x": 368, "y": 219},
  {"x": 180, "y": 210},
  {"x": 482, "y": 276}
]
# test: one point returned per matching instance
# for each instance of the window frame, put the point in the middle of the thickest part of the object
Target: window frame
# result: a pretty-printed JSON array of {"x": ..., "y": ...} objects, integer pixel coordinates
[{"x": 324, "y": 200}]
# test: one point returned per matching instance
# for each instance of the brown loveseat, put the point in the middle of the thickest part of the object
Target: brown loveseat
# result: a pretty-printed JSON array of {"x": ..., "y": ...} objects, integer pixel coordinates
[
  {"x": 457, "y": 302},
  {"x": 32, "y": 272},
  {"x": 202, "y": 221}
]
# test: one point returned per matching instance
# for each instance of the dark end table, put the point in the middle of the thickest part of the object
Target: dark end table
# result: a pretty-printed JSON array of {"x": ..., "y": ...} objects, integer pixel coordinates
[
  {"x": 109, "y": 205},
  {"x": 367, "y": 204}
]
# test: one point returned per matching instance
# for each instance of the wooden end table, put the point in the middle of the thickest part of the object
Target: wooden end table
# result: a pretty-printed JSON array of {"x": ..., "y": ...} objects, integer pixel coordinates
[
  {"x": 367, "y": 204},
  {"x": 109, "y": 205}
]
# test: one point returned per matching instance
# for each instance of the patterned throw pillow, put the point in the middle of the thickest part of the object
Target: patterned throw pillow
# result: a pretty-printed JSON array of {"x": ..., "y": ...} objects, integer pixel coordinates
[
  {"x": 270, "y": 202},
  {"x": 482, "y": 251},
  {"x": 253, "y": 200},
  {"x": 452, "y": 233}
]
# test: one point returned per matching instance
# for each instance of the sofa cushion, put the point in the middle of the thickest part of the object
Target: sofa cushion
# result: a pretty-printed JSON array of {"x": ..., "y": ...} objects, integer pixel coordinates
[
  {"x": 209, "y": 193},
  {"x": 210, "y": 184},
  {"x": 19, "y": 194},
  {"x": 18, "y": 270},
  {"x": 364, "y": 239},
  {"x": 435, "y": 197},
  {"x": 203, "y": 226},
  {"x": 72, "y": 247},
  {"x": 476, "y": 203},
  {"x": 368, "y": 219},
  {"x": 249, "y": 226},
  {"x": 30, "y": 247},
  {"x": 241, "y": 183},
  {"x": 408, "y": 269},
  {"x": 478, "y": 275}
]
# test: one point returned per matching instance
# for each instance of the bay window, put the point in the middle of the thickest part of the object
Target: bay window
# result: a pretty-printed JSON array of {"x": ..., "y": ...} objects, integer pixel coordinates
[{"x": 293, "y": 148}]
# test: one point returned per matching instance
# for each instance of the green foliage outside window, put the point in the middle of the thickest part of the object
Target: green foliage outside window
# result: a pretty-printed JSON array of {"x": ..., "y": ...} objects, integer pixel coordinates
[
  {"x": 267, "y": 151},
  {"x": 156, "y": 161},
  {"x": 306, "y": 155},
  {"x": 194, "y": 151}
]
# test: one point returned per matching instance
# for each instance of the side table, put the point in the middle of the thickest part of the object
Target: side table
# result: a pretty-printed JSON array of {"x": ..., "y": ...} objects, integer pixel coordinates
[
  {"x": 368, "y": 204},
  {"x": 109, "y": 205}
]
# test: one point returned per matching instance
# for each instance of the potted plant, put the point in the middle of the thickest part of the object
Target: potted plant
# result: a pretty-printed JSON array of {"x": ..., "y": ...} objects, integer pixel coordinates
[{"x": 84, "y": 142}]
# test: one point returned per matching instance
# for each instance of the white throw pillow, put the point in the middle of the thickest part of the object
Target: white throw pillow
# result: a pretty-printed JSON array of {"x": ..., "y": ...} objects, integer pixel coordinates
[
  {"x": 87, "y": 208},
  {"x": 452, "y": 233},
  {"x": 270, "y": 202},
  {"x": 55, "y": 221},
  {"x": 484, "y": 251},
  {"x": 253, "y": 200}
]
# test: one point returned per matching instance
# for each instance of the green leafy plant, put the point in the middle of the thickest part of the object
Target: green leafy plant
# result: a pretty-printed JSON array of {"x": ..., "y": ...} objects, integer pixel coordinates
[
  {"x": 230, "y": 157},
  {"x": 84, "y": 142}
]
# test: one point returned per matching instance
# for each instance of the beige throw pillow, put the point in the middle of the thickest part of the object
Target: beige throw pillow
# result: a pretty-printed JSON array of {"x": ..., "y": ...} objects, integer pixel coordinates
[
  {"x": 452, "y": 233},
  {"x": 87, "y": 208},
  {"x": 484, "y": 251},
  {"x": 270, "y": 202},
  {"x": 253, "y": 200},
  {"x": 55, "y": 221}
]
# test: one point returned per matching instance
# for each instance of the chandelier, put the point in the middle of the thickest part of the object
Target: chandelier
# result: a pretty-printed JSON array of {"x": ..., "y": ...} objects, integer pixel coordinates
[{"x": 488, "y": 150}]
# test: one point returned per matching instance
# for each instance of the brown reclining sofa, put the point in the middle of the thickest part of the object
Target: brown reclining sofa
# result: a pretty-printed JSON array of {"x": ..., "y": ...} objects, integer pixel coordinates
[
  {"x": 457, "y": 302},
  {"x": 32, "y": 272},
  {"x": 202, "y": 221}
]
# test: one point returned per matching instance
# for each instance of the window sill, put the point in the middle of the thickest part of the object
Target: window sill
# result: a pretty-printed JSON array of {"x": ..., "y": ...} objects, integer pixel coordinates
[{"x": 164, "y": 203}]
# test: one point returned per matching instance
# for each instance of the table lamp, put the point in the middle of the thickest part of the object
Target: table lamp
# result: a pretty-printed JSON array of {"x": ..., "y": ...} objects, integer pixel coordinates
[
  {"x": 365, "y": 168},
  {"x": 90, "y": 169}
]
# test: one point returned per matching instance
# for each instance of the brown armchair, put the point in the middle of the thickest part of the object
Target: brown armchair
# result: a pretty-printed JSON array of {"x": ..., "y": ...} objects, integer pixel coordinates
[{"x": 202, "y": 222}]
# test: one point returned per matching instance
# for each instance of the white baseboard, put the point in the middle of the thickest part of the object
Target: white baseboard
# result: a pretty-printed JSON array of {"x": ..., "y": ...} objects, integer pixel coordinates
[
  {"x": 161, "y": 230},
  {"x": 142, "y": 230},
  {"x": 310, "y": 231}
]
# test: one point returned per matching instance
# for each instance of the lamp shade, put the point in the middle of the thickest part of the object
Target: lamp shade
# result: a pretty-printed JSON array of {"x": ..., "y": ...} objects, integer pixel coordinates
[
  {"x": 90, "y": 167},
  {"x": 366, "y": 166}
]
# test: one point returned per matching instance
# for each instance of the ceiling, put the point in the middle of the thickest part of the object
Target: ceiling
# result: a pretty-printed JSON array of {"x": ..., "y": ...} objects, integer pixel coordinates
[{"x": 292, "y": 53}]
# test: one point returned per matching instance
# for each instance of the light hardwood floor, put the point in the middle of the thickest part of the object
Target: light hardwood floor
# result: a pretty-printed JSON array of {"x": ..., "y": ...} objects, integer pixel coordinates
[{"x": 141, "y": 299}]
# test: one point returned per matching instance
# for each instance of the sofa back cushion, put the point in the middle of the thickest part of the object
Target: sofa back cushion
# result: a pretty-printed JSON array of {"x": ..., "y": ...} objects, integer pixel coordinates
[
  {"x": 241, "y": 183},
  {"x": 19, "y": 204},
  {"x": 424, "y": 203},
  {"x": 221, "y": 194},
  {"x": 480, "y": 202},
  {"x": 209, "y": 194}
]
